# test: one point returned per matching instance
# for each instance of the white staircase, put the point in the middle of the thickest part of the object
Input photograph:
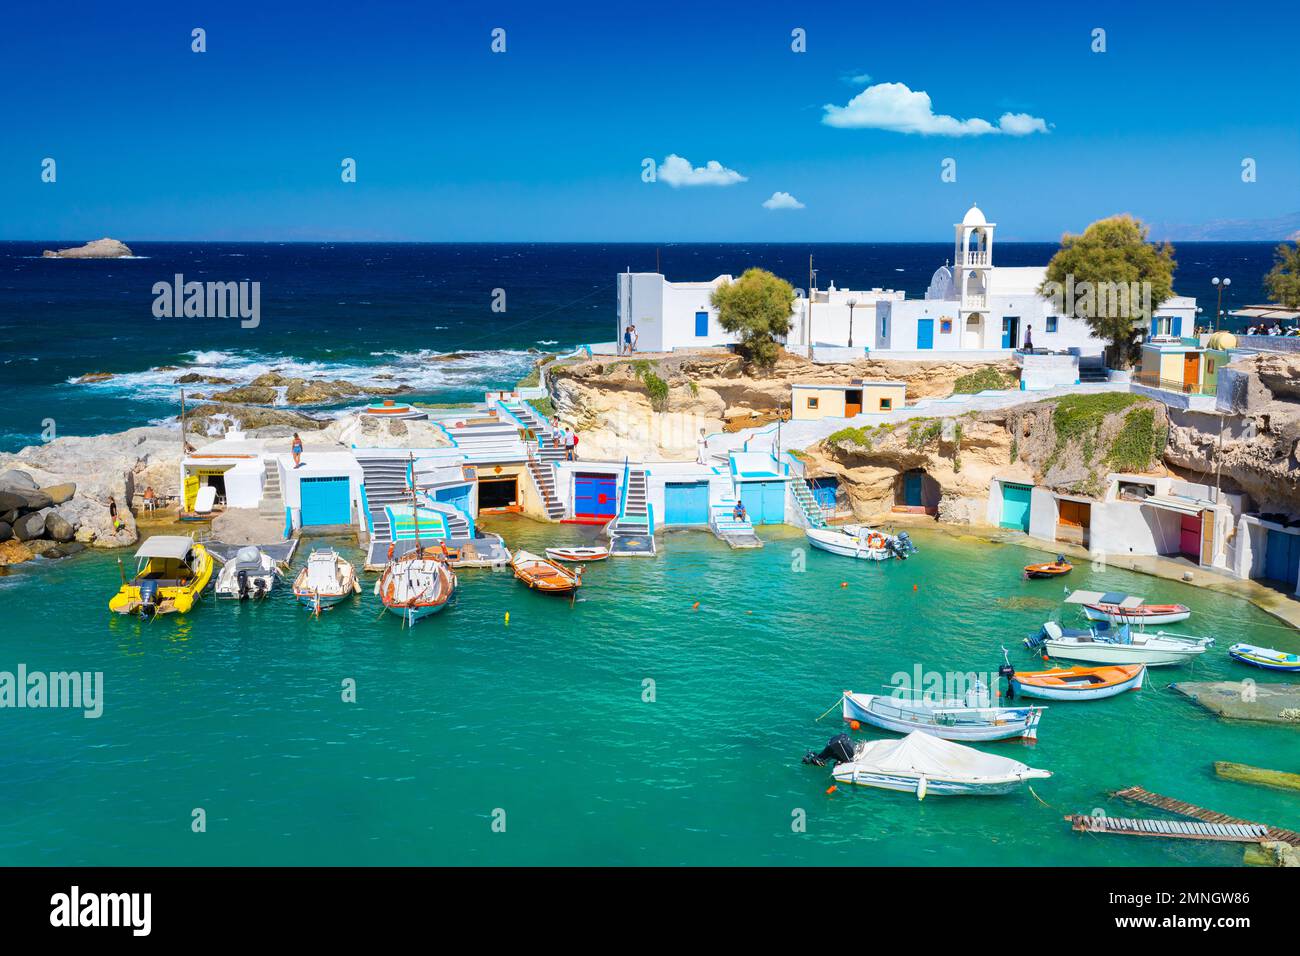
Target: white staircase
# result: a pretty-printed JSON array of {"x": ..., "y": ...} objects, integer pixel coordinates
[
  {"x": 489, "y": 442},
  {"x": 738, "y": 533},
  {"x": 632, "y": 531},
  {"x": 543, "y": 472},
  {"x": 272, "y": 503},
  {"x": 807, "y": 502}
]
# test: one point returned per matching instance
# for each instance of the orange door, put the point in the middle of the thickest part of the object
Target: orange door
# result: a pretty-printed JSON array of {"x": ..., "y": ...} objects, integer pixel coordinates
[{"x": 1191, "y": 370}]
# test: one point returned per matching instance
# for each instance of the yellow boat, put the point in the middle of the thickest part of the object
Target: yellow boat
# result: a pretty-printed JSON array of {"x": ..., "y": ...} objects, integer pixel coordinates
[{"x": 172, "y": 571}]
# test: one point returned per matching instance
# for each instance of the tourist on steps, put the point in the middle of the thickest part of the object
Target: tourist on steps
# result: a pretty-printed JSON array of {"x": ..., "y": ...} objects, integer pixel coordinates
[
  {"x": 297, "y": 451},
  {"x": 738, "y": 512}
]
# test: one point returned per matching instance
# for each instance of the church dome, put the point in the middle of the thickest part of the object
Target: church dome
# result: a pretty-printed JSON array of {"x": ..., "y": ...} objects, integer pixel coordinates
[{"x": 974, "y": 217}]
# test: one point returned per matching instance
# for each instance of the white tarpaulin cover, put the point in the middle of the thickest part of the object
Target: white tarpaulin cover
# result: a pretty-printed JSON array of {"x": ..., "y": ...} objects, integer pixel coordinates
[
  {"x": 920, "y": 753},
  {"x": 165, "y": 546},
  {"x": 1107, "y": 597}
]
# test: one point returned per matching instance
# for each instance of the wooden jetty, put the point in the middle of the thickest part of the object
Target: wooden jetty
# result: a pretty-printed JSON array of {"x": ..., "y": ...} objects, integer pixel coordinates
[{"x": 1221, "y": 826}]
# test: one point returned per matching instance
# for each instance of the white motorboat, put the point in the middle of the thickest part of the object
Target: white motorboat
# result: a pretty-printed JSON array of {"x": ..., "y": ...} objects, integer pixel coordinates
[
  {"x": 923, "y": 764},
  {"x": 1121, "y": 645},
  {"x": 971, "y": 718},
  {"x": 860, "y": 541},
  {"x": 250, "y": 574}
]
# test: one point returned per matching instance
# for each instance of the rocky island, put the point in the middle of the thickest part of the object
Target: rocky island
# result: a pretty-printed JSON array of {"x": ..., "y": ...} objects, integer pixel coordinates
[{"x": 98, "y": 249}]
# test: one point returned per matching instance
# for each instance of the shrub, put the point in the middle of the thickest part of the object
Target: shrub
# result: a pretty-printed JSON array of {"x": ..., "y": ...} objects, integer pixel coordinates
[{"x": 985, "y": 379}]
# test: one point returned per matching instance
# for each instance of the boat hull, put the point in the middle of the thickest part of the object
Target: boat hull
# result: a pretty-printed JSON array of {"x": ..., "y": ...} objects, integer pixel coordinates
[
  {"x": 310, "y": 601},
  {"x": 934, "y": 786},
  {"x": 845, "y": 547},
  {"x": 1263, "y": 658},
  {"x": 1100, "y": 652},
  {"x": 1080, "y": 691},
  {"x": 1101, "y": 612},
  {"x": 1000, "y": 723}
]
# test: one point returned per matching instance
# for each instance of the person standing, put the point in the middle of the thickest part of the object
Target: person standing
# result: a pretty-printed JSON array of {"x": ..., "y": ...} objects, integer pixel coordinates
[
  {"x": 1029, "y": 338},
  {"x": 701, "y": 449},
  {"x": 569, "y": 441},
  {"x": 112, "y": 514},
  {"x": 627, "y": 340},
  {"x": 635, "y": 336},
  {"x": 296, "y": 448}
]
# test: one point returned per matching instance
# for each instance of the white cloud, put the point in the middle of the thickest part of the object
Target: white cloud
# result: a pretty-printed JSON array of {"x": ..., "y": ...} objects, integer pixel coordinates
[
  {"x": 677, "y": 171},
  {"x": 892, "y": 106},
  {"x": 780, "y": 200},
  {"x": 856, "y": 79}
]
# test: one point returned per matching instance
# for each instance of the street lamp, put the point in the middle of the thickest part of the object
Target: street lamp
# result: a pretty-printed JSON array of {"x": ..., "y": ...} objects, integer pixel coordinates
[
  {"x": 1219, "y": 284},
  {"x": 852, "y": 303}
]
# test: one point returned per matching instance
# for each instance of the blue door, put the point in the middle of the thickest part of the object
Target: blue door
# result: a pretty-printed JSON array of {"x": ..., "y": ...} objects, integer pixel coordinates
[
  {"x": 686, "y": 502},
  {"x": 912, "y": 496},
  {"x": 925, "y": 333},
  {"x": 1015, "y": 506},
  {"x": 1282, "y": 558},
  {"x": 764, "y": 501},
  {"x": 1177, "y": 326},
  {"x": 595, "y": 496},
  {"x": 823, "y": 490},
  {"x": 325, "y": 501},
  {"x": 701, "y": 324},
  {"x": 1010, "y": 332}
]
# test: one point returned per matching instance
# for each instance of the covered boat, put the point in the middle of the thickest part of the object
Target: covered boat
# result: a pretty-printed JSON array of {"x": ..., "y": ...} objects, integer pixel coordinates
[
  {"x": 1119, "y": 645},
  {"x": 1119, "y": 608},
  {"x": 923, "y": 764},
  {"x": 171, "y": 572},
  {"x": 326, "y": 580},
  {"x": 542, "y": 574},
  {"x": 1265, "y": 657},
  {"x": 578, "y": 555},
  {"x": 860, "y": 541},
  {"x": 1077, "y": 683},
  {"x": 417, "y": 585},
  {"x": 970, "y": 718},
  {"x": 250, "y": 574}
]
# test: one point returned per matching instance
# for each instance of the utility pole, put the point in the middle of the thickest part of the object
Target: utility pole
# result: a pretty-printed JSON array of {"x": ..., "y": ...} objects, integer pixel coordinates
[
  {"x": 1220, "y": 285},
  {"x": 812, "y": 280},
  {"x": 852, "y": 303}
]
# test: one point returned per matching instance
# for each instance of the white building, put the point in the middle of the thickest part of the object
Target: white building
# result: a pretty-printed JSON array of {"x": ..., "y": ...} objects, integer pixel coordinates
[{"x": 972, "y": 307}]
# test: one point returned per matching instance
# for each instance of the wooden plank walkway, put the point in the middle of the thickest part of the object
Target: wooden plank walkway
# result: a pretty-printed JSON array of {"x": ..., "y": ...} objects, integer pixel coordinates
[
  {"x": 1174, "y": 829},
  {"x": 1183, "y": 809}
]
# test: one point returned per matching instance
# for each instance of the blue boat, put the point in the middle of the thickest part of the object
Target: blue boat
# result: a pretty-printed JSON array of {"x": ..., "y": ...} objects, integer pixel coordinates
[{"x": 1265, "y": 657}]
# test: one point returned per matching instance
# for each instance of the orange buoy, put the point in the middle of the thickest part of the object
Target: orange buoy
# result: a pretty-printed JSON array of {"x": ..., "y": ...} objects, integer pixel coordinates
[
  {"x": 914, "y": 587},
  {"x": 831, "y": 789},
  {"x": 1046, "y": 658},
  {"x": 844, "y": 584},
  {"x": 854, "y": 725},
  {"x": 695, "y": 606}
]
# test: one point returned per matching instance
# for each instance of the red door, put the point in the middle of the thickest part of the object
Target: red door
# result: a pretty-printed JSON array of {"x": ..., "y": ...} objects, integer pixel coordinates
[{"x": 1190, "y": 539}]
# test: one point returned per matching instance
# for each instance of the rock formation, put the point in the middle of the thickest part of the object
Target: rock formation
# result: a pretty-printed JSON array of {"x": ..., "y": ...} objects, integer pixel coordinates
[{"x": 98, "y": 249}]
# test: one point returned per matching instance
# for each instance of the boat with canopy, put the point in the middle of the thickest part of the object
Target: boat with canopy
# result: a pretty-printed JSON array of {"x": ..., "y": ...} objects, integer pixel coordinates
[
  {"x": 171, "y": 572},
  {"x": 1116, "y": 607}
]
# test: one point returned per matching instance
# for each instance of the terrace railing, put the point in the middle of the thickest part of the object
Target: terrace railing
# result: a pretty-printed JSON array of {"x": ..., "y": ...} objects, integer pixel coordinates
[{"x": 1153, "y": 380}]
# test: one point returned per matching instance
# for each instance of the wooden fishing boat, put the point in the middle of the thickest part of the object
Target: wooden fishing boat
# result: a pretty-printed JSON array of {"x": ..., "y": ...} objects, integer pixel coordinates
[
  {"x": 1265, "y": 657},
  {"x": 577, "y": 555},
  {"x": 1078, "y": 683},
  {"x": 542, "y": 574},
  {"x": 1052, "y": 569},
  {"x": 1120, "y": 645},
  {"x": 923, "y": 764},
  {"x": 1119, "y": 608},
  {"x": 171, "y": 572},
  {"x": 949, "y": 719},
  {"x": 416, "y": 585},
  {"x": 326, "y": 580}
]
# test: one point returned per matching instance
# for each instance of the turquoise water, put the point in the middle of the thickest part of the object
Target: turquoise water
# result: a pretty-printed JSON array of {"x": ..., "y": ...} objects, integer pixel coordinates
[{"x": 238, "y": 710}]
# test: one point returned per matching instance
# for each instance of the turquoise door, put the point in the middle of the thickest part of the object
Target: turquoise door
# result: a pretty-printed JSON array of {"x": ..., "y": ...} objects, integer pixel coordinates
[
  {"x": 325, "y": 501},
  {"x": 925, "y": 333},
  {"x": 912, "y": 490},
  {"x": 1015, "y": 506},
  {"x": 1282, "y": 558},
  {"x": 764, "y": 501},
  {"x": 1010, "y": 332},
  {"x": 686, "y": 502}
]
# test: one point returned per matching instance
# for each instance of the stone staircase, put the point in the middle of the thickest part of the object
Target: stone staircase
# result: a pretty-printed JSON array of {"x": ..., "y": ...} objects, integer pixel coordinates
[
  {"x": 489, "y": 442},
  {"x": 272, "y": 504},
  {"x": 1092, "y": 374},
  {"x": 807, "y": 502},
  {"x": 632, "y": 530},
  {"x": 385, "y": 484},
  {"x": 543, "y": 471}
]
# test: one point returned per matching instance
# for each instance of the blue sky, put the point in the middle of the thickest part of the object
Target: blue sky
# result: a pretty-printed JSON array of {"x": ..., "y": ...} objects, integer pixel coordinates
[{"x": 546, "y": 141}]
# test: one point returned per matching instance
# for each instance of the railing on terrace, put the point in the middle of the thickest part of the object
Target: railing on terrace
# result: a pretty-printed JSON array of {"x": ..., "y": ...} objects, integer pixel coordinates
[
  {"x": 975, "y": 302},
  {"x": 1153, "y": 380},
  {"x": 977, "y": 259}
]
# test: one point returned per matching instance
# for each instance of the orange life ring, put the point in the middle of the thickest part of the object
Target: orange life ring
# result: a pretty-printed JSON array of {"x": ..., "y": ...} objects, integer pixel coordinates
[{"x": 875, "y": 540}]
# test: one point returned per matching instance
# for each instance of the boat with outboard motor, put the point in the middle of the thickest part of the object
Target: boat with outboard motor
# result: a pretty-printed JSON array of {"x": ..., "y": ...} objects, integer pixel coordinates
[
  {"x": 862, "y": 542},
  {"x": 1051, "y": 569},
  {"x": 250, "y": 574},
  {"x": 171, "y": 572},
  {"x": 923, "y": 764},
  {"x": 1118, "y": 645},
  {"x": 326, "y": 580},
  {"x": 972, "y": 717},
  {"x": 1116, "y": 607}
]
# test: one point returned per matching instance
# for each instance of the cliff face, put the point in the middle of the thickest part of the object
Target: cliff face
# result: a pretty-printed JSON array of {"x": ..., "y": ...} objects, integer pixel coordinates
[
  {"x": 653, "y": 406},
  {"x": 1255, "y": 447}
]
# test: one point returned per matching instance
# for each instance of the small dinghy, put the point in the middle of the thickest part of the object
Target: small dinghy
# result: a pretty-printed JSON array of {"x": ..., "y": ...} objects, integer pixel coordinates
[
  {"x": 1121, "y": 645},
  {"x": 1118, "y": 608},
  {"x": 249, "y": 575},
  {"x": 1053, "y": 569},
  {"x": 577, "y": 555},
  {"x": 1076, "y": 683},
  {"x": 542, "y": 574},
  {"x": 1265, "y": 657},
  {"x": 859, "y": 541},
  {"x": 923, "y": 764},
  {"x": 968, "y": 719},
  {"x": 326, "y": 580},
  {"x": 416, "y": 585}
]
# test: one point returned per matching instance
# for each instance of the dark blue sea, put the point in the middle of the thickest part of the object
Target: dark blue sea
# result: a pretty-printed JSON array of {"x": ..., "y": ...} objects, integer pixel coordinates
[{"x": 418, "y": 314}]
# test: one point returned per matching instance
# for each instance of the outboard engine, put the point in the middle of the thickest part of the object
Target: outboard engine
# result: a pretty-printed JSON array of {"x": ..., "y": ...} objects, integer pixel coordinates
[
  {"x": 905, "y": 545},
  {"x": 838, "y": 750},
  {"x": 1008, "y": 671},
  {"x": 148, "y": 598},
  {"x": 241, "y": 577}
]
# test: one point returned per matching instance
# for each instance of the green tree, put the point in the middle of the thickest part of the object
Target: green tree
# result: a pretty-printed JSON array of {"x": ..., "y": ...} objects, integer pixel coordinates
[
  {"x": 1283, "y": 280},
  {"x": 1112, "y": 277},
  {"x": 757, "y": 306}
]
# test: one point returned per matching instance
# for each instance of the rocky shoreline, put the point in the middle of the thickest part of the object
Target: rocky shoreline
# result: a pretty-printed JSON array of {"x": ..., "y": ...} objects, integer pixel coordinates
[{"x": 40, "y": 520}]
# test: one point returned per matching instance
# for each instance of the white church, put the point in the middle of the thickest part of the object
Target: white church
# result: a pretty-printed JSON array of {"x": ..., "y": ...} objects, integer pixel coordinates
[{"x": 972, "y": 309}]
